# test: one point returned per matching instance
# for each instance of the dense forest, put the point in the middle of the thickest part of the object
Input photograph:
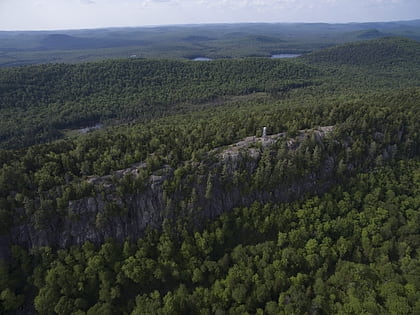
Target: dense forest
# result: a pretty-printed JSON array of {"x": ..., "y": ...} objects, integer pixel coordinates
[{"x": 174, "y": 202}]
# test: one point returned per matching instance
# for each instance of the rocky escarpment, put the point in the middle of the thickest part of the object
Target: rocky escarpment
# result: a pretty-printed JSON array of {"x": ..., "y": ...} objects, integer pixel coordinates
[
  {"x": 86, "y": 220},
  {"x": 195, "y": 192}
]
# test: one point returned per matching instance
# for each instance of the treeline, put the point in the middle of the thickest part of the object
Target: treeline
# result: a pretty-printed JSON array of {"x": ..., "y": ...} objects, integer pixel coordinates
[
  {"x": 352, "y": 250},
  {"x": 38, "y": 102}
]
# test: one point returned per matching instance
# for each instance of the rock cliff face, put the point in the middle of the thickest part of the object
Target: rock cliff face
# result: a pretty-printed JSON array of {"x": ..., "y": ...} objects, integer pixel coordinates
[{"x": 88, "y": 219}]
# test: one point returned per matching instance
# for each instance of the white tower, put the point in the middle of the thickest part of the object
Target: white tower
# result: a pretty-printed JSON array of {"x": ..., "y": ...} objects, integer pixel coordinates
[{"x": 264, "y": 134}]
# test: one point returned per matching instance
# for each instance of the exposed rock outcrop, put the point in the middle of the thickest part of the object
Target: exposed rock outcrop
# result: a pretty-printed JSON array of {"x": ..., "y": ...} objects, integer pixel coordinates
[{"x": 89, "y": 219}]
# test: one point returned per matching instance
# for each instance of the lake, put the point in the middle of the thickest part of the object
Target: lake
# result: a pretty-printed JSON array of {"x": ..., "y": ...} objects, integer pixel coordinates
[
  {"x": 202, "y": 59},
  {"x": 276, "y": 56},
  {"x": 285, "y": 56},
  {"x": 89, "y": 129}
]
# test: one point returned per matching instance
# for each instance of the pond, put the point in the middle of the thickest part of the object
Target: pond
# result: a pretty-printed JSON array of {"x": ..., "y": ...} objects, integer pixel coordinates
[
  {"x": 89, "y": 129},
  {"x": 285, "y": 56},
  {"x": 275, "y": 56},
  {"x": 202, "y": 59}
]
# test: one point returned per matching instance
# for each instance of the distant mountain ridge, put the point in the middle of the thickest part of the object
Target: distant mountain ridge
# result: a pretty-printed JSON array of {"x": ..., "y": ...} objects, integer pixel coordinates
[
  {"x": 214, "y": 41},
  {"x": 69, "y": 42}
]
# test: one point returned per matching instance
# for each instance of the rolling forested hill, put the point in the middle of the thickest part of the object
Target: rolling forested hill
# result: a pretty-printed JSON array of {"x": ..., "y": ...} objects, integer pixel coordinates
[
  {"x": 381, "y": 52},
  {"x": 41, "y": 103},
  {"x": 174, "y": 202},
  {"x": 49, "y": 98}
]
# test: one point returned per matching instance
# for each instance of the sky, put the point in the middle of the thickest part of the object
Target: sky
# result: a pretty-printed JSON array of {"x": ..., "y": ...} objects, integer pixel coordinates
[{"x": 77, "y": 14}]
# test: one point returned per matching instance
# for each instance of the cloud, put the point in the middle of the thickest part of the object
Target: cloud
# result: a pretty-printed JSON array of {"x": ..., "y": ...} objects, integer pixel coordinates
[
  {"x": 59, "y": 14},
  {"x": 384, "y": 2},
  {"x": 151, "y": 3},
  {"x": 262, "y": 5},
  {"x": 39, "y": 3},
  {"x": 231, "y": 5}
]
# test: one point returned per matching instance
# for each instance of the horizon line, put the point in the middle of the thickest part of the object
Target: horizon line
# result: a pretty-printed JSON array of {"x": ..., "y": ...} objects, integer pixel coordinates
[{"x": 198, "y": 24}]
